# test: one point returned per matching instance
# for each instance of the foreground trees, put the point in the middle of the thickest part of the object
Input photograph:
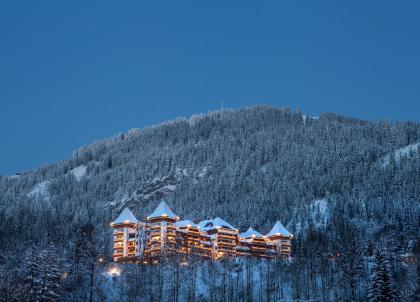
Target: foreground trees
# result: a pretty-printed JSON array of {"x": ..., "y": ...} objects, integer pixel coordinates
[{"x": 382, "y": 288}]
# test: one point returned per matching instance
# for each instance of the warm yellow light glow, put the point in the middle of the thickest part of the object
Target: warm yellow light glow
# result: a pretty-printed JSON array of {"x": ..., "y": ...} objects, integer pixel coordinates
[
  {"x": 101, "y": 259},
  {"x": 253, "y": 236},
  {"x": 278, "y": 234},
  {"x": 126, "y": 221},
  {"x": 114, "y": 271},
  {"x": 164, "y": 215}
]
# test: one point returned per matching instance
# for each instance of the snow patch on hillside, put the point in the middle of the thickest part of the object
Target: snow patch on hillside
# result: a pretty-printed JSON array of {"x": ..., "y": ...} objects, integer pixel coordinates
[
  {"x": 399, "y": 153},
  {"x": 203, "y": 172},
  {"x": 79, "y": 172},
  {"x": 158, "y": 188},
  {"x": 40, "y": 190},
  {"x": 319, "y": 212}
]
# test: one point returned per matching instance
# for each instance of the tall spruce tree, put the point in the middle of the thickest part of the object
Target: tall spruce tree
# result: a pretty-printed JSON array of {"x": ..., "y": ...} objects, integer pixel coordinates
[
  {"x": 382, "y": 287},
  {"x": 33, "y": 277},
  {"x": 51, "y": 285}
]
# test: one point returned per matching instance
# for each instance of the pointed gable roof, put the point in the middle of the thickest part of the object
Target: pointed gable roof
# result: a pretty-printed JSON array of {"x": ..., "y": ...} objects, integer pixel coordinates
[
  {"x": 162, "y": 210},
  {"x": 278, "y": 229},
  {"x": 126, "y": 216},
  {"x": 251, "y": 233}
]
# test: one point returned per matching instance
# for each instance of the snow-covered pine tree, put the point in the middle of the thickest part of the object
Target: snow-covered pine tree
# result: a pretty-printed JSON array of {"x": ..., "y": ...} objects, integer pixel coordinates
[
  {"x": 32, "y": 280},
  {"x": 51, "y": 285},
  {"x": 382, "y": 287}
]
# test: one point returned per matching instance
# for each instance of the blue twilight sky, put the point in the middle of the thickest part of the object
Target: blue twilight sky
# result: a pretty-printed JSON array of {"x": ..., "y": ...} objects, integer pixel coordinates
[{"x": 72, "y": 72}]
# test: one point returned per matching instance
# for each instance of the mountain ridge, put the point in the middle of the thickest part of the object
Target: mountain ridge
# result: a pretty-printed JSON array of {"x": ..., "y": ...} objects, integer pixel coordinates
[{"x": 322, "y": 178}]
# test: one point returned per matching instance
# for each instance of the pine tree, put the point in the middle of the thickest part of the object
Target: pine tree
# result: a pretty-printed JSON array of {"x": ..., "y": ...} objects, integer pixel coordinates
[
  {"x": 382, "y": 287},
  {"x": 51, "y": 275},
  {"x": 32, "y": 280}
]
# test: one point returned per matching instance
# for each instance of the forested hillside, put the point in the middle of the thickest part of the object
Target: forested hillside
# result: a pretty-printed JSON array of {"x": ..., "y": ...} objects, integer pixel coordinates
[{"x": 348, "y": 189}]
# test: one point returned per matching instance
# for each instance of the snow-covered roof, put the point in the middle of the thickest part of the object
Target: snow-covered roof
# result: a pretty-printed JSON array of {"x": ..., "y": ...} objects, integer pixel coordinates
[
  {"x": 162, "y": 210},
  {"x": 278, "y": 229},
  {"x": 250, "y": 233},
  {"x": 185, "y": 223},
  {"x": 202, "y": 224},
  {"x": 126, "y": 216},
  {"x": 215, "y": 223}
]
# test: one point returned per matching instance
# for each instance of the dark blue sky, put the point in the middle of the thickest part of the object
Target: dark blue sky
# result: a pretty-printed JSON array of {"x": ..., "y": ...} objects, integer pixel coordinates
[{"x": 84, "y": 70}]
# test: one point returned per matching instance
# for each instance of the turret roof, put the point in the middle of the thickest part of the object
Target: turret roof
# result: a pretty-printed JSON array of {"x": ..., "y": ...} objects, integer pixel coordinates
[
  {"x": 126, "y": 216},
  {"x": 278, "y": 229},
  {"x": 162, "y": 210}
]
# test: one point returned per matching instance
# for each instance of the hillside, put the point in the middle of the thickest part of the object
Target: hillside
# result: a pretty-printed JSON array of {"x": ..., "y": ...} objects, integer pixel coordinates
[{"x": 337, "y": 183}]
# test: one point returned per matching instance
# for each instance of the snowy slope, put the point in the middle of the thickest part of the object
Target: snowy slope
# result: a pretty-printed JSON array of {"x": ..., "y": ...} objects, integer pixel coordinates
[
  {"x": 40, "y": 190},
  {"x": 319, "y": 212},
  {"x": 399, "y": 153},
  {"x": 79, "y": 172},
  {"x": 158, "y": 188}
]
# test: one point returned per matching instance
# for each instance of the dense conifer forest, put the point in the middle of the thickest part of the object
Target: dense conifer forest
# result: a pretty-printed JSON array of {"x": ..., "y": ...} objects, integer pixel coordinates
[{"x": 348, "y": 189}]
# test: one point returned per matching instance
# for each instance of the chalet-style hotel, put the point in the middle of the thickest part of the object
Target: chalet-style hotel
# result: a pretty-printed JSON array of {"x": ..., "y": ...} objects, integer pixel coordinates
[{"x": 165, "y": 234}]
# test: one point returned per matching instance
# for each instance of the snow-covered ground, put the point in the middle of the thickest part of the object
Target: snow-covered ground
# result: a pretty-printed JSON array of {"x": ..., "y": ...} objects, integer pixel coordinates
[
  {"x": 399, "y": 153},
  {"x": 320, "y": 212},
  {"x": 79, "y": 172},
  {"x": 40, "y": 190},
  {"x": 159, "y": 187}
]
